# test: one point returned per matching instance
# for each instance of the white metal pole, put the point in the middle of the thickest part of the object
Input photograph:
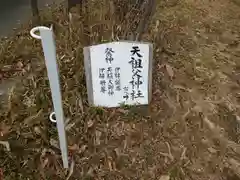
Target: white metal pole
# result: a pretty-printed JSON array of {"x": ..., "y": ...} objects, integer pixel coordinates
[{"x": 49, "y": 49}]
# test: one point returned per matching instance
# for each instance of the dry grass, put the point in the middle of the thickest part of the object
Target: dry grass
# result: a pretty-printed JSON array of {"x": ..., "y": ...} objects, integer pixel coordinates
[{"x": 190, "y": 130}]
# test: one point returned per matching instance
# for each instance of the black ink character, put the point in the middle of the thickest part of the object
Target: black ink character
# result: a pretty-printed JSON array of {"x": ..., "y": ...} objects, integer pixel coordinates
[
  {"x": 118, "y": 88},
  {"x": 110, "y": 88},
  {"x": 132, "y": 83},
  {"x": 117, "y": 81},
  {"x": 126, "y": 95},
  {"x": 103, "y": 86},
  {"x": 136, "y": 63},
  {"x": 138, "y": 81},
  {"x": 125, "y": 89},
  {"x": 133, "y": 94},
  {"x": 139, "y": 94},
  {"x": 109, "y": 50},
  {"x": 117, "y": 72},
  {"x": 110, "y": 92},
  {"x": 118, "y": 85},
  {"x": 101, "y": 73},
  {"x": 136, "y": 50},
  {"x": 109, "y": 57},
  {"x": 109, "y": 73}
]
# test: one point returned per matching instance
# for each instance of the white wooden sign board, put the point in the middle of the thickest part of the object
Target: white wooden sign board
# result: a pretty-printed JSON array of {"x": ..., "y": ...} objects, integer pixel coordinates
[{"x": 119, "y": 73}]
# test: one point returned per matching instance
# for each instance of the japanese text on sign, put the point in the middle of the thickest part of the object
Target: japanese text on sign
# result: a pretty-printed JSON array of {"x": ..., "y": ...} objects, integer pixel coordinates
[
  {"x": 110, "y": 85},
  {"x": 136, "y": 81},
  {"x": 119, "y": 73}
]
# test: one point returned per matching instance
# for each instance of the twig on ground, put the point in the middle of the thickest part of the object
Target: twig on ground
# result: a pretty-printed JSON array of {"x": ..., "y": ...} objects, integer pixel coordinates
[{"x": 71, "y": 170}]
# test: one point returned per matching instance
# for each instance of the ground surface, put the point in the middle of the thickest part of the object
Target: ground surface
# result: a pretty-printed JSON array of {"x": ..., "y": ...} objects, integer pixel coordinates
[
  {"x": 189, "y": 132},
  {"x": 13, "y": 13}
]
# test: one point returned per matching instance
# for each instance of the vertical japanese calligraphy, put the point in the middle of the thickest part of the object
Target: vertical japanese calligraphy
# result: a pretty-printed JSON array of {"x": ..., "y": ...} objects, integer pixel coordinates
[
  {"x": 136, "y": 81},
  {"x": 126, "y": 94},
  {"x": 110, "y": 78},
  {"x": 109, "y": 55},
  {"x": 102, "y": 80},
  {"x": 117, "y": 79},
  {"x": 110, "y": 81}
]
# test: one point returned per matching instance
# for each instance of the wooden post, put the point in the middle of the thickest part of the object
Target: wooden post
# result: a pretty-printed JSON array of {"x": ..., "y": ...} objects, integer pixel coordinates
[
  {"x": 148, "y": 10},
  {"x": 35, "y": 11}
]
